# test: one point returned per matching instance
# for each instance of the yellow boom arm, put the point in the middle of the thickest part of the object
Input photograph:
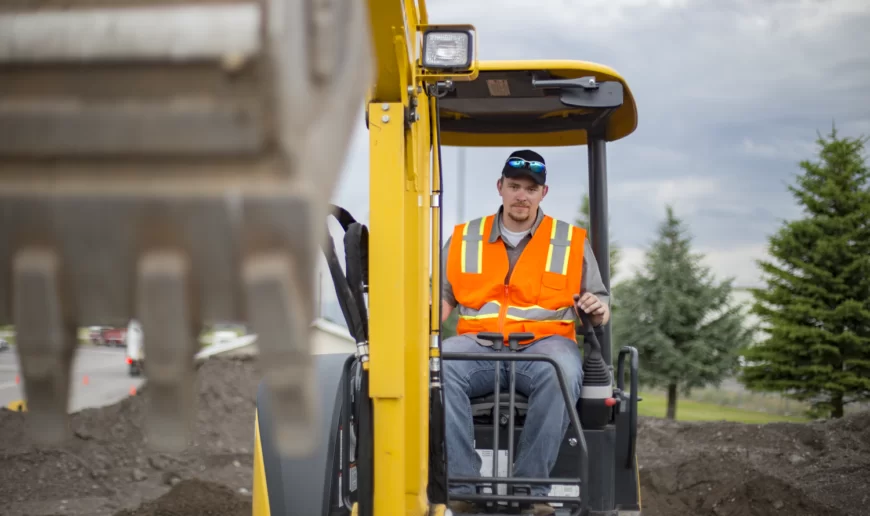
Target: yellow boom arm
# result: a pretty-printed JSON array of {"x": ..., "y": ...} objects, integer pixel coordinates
[{"x": 399, "y": 298}]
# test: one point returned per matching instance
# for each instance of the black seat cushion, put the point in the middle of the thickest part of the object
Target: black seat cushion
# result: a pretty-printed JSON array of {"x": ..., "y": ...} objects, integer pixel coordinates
[
  {"x": 481, "y": 406},
  {"x": 505, "y": 397}
]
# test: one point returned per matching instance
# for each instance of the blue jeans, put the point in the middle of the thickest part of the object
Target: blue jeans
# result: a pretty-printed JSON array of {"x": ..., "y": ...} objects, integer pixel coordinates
[{"x": 546, "y": 419}]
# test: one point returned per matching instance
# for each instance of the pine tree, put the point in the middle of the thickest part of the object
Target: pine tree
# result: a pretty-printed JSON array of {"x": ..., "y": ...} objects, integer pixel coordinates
[
  {"x": 681, "y": 320},
  {"x": 582, "y": 221},
  {"x": 816, "y": 304}
]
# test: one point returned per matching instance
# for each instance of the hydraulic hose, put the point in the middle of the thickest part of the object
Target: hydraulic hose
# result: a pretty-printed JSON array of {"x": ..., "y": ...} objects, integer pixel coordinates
[
  {"x": 356, "y": 248},
  {"x": 437, "y": 488},
  {"x": 343, "y": 292},
  {"x": 350, "y": 290}
]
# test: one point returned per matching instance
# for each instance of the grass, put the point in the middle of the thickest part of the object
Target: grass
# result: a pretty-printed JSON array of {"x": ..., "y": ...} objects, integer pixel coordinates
[{"x": 655, "y": 405}]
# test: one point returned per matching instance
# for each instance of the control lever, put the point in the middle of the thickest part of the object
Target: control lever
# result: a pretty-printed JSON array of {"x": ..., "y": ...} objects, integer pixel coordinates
[
  {"x": 497, "y": 340},
  {"x": 514, "y": 347},
  {"x": 588, "y": 329},
  {"x": 596, "y": 396}
]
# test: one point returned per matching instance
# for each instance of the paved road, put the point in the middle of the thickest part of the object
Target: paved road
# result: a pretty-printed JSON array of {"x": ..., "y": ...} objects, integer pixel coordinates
[{"x": 104, "y": 369}]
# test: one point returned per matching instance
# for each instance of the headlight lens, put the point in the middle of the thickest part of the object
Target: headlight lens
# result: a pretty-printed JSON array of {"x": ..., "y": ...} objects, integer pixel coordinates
[{"x": 451, "y": 50}]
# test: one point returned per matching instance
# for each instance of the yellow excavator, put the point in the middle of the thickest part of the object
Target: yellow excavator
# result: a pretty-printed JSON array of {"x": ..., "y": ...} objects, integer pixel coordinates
[{"x": 174, "y": 161}]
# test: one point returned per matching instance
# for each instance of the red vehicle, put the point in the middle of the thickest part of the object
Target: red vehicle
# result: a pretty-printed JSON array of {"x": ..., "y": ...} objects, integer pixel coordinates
[{"x": 114, "y": 337}]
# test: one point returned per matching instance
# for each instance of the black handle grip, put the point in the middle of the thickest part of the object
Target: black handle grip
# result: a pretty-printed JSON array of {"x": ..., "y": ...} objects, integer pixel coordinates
[
  {"x": 588, "y": 329},
  {"x": 496, "y": 338},
  {"x": 515, "y": 338}
]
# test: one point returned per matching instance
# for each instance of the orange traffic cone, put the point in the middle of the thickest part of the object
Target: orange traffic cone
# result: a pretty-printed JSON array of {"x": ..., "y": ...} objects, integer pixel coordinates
[
  {"x": 133, "y": 390},
  {"x": 86, "y": 380}
]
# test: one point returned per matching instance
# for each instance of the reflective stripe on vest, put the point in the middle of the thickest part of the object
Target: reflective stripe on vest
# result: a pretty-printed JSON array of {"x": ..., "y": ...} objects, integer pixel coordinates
[
  {"x": 530, "y": 313},
  {"x": 472, "y": 255},
  {"x": 537, "y": 313},
  {"x": 557, "y": 254},
  {"x": 486, "y": 311},
  {"x": 560, "y": 242}
]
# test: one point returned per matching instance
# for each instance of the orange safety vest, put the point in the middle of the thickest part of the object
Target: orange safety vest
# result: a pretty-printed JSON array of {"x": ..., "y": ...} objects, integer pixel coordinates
[{"x": 539, "y": 296}]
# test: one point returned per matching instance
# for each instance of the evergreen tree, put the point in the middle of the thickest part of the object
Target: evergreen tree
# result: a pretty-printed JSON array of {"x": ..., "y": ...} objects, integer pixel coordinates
[
  {"x": 582, "y": 221},
  {"x": 816, "y": 304},
  {"x": 680, "y": 320}
]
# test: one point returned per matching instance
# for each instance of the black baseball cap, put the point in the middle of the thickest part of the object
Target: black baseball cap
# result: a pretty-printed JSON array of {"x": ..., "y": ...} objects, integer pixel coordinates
[{"x": 526, "y": 163}]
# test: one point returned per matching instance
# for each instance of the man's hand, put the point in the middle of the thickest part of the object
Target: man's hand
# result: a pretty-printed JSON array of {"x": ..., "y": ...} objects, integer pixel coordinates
[{"x": 599, "y": 313}]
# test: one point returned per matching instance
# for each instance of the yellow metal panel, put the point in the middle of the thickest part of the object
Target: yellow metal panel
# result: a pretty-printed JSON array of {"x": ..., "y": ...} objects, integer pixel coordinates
[
  {"x": 569, "y": 67},
  {"x": 416, "y": 241},
  {"x": 439, "y": 510},
  {"x": 17, "y": 405},
  {"x": 392, "y": 20},
  {"x": 389, "y": 314},
  {"x": 637, "y": 479},
  {"x": 260, "y": 491}
]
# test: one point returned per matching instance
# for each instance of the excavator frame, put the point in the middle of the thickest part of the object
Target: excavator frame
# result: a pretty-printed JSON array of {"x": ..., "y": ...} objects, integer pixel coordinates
[{"x": 383, "y": 451}]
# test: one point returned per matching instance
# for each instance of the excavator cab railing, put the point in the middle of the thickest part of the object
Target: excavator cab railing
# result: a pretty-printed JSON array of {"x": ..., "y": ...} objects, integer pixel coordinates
[{"x": 519, "y": 488}]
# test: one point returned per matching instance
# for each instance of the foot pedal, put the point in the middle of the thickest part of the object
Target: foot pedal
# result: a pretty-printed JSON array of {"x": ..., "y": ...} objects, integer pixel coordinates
[
  {"x": 172, "y": 162},
  {"x": 519, "y": 490}
]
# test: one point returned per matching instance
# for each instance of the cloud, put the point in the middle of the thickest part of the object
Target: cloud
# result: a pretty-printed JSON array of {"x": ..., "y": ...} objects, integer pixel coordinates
[
  {"x": 778, "y": 149},
  {"x": 738, "y": 263},
  {"x": 658, "y": 192}
]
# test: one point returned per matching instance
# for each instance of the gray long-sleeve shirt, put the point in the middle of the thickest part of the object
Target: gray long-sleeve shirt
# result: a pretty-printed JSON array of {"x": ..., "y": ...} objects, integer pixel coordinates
[{"x": 591, "y": 280}]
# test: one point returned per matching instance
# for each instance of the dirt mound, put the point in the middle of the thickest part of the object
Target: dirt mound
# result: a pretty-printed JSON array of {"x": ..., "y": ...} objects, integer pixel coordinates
[
  {"x": 107, "y": 466},
  {"x": 195, "y": 497},
  {"x": 718, "y": 468},
  {"x": 699, "y": 469}
]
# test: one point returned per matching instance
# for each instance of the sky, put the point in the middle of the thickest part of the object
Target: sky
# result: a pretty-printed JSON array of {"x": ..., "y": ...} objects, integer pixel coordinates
[{"x": 731, "y": 95}]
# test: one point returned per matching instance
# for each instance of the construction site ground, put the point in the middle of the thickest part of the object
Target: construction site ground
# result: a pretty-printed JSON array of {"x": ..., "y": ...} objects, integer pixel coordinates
[{"x": 711, "y": 468}]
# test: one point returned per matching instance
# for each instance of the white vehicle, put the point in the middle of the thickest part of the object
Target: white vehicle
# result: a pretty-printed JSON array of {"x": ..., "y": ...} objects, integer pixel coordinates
[{"x": 135, "y": 351}]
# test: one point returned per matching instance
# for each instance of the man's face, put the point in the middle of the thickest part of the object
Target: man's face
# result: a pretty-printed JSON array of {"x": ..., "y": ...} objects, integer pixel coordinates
[{"x": 520, "y": 197}]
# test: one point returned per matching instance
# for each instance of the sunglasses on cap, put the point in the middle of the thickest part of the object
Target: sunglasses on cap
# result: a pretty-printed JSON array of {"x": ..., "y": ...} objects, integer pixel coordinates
[{"x": 535, "y": 166}]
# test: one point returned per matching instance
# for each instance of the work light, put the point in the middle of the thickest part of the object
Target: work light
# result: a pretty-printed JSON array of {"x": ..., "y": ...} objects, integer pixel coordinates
[{"x": 447, "y": 50}]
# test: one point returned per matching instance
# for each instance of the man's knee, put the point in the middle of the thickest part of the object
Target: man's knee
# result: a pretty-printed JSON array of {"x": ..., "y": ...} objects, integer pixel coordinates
[
  {"x": 572, "y": 372},
  {"x": 566, "y": 354},
  {"x": 572, "y": 367},
  {"x": 457, "y": 344},
  {"x": 456, "y": 371}
]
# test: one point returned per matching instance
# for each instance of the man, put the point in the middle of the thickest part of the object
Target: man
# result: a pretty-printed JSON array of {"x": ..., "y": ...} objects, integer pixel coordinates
[{"x": 517, "y": 271}]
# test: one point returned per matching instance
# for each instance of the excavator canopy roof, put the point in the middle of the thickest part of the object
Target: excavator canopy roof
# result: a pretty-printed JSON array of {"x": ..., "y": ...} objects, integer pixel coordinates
[{"x": 502, "y": 107}]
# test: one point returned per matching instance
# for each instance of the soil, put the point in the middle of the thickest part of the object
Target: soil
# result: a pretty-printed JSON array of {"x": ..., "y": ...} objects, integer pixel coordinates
[
  {"x": 195, "y": 497},
  {"x": 699, "y": 469},
  {"x": 720, "y": 468},
  {"x": 106, "y": 465}
]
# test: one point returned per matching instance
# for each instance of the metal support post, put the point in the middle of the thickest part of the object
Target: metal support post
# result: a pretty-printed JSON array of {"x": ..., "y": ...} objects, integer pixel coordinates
[{"x": 598, "y": 225}]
